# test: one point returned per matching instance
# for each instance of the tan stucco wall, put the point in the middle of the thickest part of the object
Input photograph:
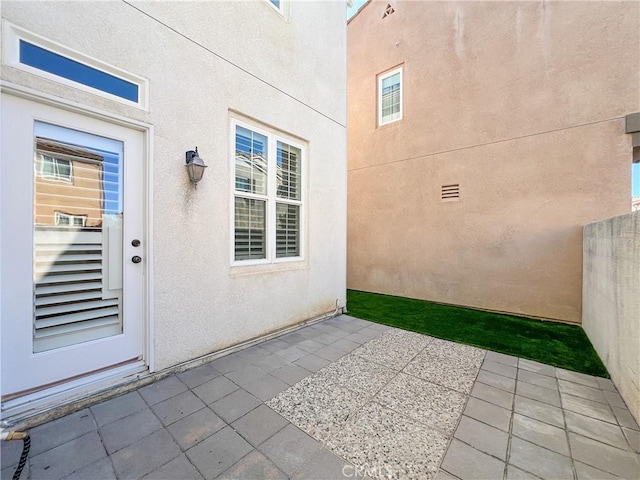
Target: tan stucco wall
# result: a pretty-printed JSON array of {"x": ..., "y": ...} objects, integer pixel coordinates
[
  {"x": 611, "y": 300},
  {"x": 513, "y": 101},
  {"x": 205, "y": 60}
]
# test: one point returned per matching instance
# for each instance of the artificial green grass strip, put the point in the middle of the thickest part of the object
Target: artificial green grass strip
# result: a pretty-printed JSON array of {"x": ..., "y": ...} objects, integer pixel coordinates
[{"x": 558, "y": 344}]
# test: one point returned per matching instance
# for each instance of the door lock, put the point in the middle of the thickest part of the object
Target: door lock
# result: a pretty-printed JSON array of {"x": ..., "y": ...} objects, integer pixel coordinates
[
  {"x": 135, "y": 243},
  {"x": 136, "y": 259}
]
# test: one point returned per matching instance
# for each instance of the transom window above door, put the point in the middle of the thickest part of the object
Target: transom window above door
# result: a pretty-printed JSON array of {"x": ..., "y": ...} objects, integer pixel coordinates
[{"x": 268, "y": 207}]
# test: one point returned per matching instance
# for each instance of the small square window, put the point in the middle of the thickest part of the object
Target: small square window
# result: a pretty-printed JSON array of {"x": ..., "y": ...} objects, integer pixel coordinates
[{"x": 58, "y": 169}]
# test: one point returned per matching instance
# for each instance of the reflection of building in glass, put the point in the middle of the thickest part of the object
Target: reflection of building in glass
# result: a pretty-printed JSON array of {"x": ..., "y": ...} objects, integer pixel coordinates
[{"x": 68, "y": 185}]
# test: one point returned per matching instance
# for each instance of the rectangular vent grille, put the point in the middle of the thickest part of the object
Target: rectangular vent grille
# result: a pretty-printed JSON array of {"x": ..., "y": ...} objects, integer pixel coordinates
[{"x": 450, "y": 192}]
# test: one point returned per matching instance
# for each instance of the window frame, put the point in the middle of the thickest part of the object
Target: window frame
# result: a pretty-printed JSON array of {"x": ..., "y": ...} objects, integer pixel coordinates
[
  {"x": 11, "y": 37},
  {"x": 271, "y": 198},
  {"x": 381, "y": 77},
  {"x": 72, "y": 219},
  {"x": 55, "y": 176}
]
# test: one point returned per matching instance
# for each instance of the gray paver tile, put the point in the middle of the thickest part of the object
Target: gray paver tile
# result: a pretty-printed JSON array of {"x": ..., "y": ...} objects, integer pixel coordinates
[
  {"x": 465, "y": 462},
  {"x": 67, "y": 458},
  {"x": 266, "y": 387},
  {"x": 10, "y": 453},
  {"x": 162, "y": 390},
  {"x": 538, "y": 379},
  {"x": 275, "y": 345},
  {"x": 290, "y": 448},
  {"x": 540, "y": 411},
  {"x": 542, "y": 434},
  {"x": 144, "y": 456},
  {"x": 117, "y": 408},
  {"x": 498, "y": 381},
  {"x": 52, "y": 434},
  {"x": 312, "y": 363},
  {"x": 345, "y": 345},
  {"x": 124, "y": 432},
  {"x": 215, "y": 389},
  {"x": 499, "y": 368},
  {"x": 253, "y": 353},
  {"x": 178, "y": 468},
  {"x": 358, "y": 338},
  {"x": 597, "y": 429},
  {"x": 577, "y": 377},
  {"x": 329, "y": 353},
  {"x": 614, "y": 399},
  {"x": 292, "y": 353},
  {"x": 326, "y": 338},
  {"x": 482, "y": 437},
  {"x": 492, "y": 395},
  {"x": 539, "y": 461},
  {"x": 102, "y": 470},
  {"x": 254, "y": 466},
  {"x": 577, "y": 390},
  {"x": 488, "y": 413},
  {"x": 604, "y": 457},
  {"x": 545, "y": 395},
  {"x": 502, "y": 358},
  {"x": 195, "y": 427},
  {"x": 588, "y": 408},
  {"x": 442, "y": 475},
  {"x": 270, "y": 363},
  {"x": 606, "y": 384},
  {"x": 310, "y": 345},
  {"x": 9, "y": 471},
  {"x": 514, "y": 473},
  {"x": 218, "y": 452},
  {"x": 235, "y": 405},
  {"x": 230, "y": 363},
  {"x": 199, "y": 375},
  {"x": 245, "y": 376},
  {"x": 291, "y": 374},
  {"x": 259, "y": 425},
  {"x": 624, "y": 418},
  {"x": 633, "y": 437},
  {"x": 585, "y": 472},
  {"x": 324, "y": 465},
  {"x": 537, "y": 367},
  {"x": 177, "y": 407}
]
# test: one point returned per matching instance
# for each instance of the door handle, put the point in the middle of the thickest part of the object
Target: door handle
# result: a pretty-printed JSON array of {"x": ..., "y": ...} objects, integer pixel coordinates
[{"x": 136, "y": 259}]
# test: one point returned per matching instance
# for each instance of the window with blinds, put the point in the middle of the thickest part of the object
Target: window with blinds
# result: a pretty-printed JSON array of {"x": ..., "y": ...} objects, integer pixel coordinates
[
  {"x": 268, "y": 195},
  {"x": 390, "y": 96}
]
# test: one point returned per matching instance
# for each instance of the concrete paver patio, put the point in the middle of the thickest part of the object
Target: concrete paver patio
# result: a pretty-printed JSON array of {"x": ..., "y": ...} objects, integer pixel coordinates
[{"x": 346, "y": 398}]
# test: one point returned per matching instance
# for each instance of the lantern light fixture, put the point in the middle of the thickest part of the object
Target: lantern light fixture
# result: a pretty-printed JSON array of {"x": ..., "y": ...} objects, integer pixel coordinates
[{"x": 195, "y": 166}]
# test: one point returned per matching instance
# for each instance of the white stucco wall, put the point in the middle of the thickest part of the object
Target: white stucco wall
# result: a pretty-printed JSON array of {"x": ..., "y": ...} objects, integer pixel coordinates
[
  {"x": 611, "y": 300},
  {"x": 204, "y": 62}
]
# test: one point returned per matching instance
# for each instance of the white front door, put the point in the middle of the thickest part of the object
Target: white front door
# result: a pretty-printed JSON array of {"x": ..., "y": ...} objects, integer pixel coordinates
[{"x": 72, "y": 244}]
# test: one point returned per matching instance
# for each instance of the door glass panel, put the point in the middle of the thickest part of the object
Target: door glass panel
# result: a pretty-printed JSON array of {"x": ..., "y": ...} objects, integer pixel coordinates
[{"x": 77, "y": 236}]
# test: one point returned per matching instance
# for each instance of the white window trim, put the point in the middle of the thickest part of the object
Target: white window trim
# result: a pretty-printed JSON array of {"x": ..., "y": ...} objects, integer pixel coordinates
[
  {"x": 12, "y": 35},
  {"x": 382, "y": 77},
  {"x": 56, "y": 176},
  {"x": 280, "y": 9},
  {"x": 271, "y": 198},
  {"x": 72, "y": 218}
]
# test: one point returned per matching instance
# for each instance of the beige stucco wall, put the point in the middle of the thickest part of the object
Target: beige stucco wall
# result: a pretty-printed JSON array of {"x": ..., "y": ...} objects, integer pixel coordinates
[
  {"x": 611, "y": 302},
  {"x": 513, "y": 101},
  {"x": 206, "y": 61}
]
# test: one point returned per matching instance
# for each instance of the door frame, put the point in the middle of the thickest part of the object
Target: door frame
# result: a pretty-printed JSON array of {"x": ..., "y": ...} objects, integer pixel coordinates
[{"x": 75, "y": 389}]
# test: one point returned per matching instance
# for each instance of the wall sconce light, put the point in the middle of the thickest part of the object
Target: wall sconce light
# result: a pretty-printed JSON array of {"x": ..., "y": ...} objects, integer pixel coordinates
[{"x": 195, "y": 166}]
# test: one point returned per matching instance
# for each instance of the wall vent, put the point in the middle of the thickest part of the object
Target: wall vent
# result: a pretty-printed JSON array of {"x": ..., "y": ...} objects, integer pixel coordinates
[
  {"x": 388, "y": 11},
  {"x": 450, "y": 192}
]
